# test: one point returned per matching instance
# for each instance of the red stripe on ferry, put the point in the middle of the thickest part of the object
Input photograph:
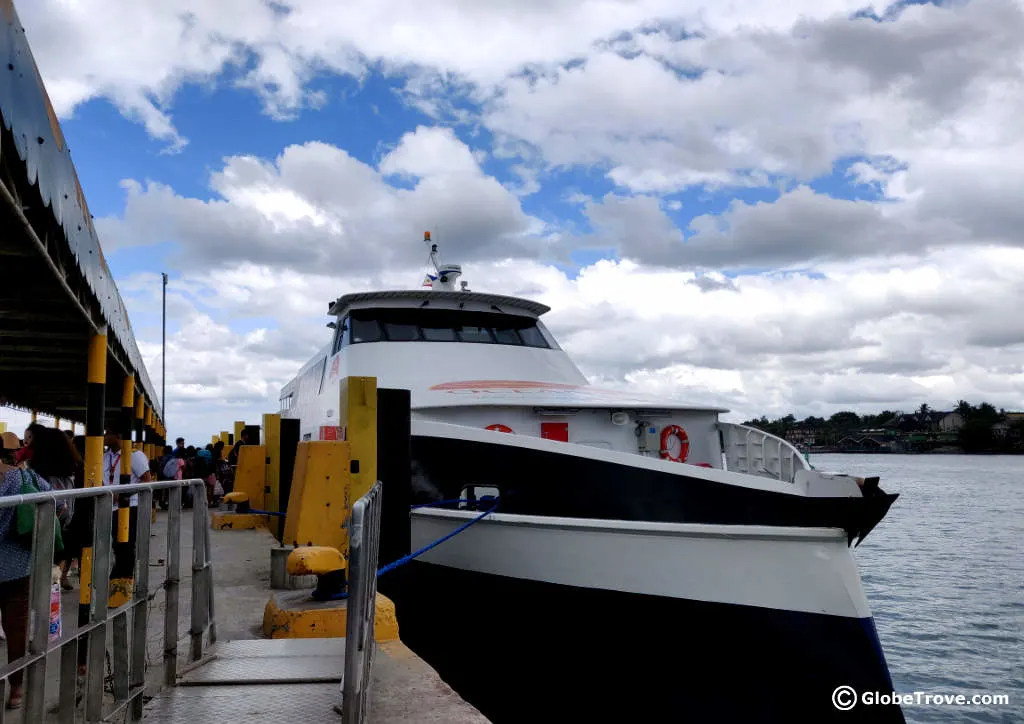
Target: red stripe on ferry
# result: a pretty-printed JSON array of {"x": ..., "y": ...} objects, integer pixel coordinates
[{"x": 502, "y": 385}]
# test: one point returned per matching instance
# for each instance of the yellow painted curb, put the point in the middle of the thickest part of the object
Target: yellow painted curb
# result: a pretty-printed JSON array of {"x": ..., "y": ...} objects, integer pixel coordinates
[
  {"x": 239, "y": 521},
  {"x": 294, "y": 615}
]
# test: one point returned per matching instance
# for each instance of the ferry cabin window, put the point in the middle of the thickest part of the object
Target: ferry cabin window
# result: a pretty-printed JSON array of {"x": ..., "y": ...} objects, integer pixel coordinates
[
  {"x": 343, "y": 337},
  {"x": 435, "y": 325}
]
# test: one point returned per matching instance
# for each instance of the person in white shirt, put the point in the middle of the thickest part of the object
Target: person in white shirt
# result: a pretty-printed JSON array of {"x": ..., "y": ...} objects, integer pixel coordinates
[{"x": 124, "y": 553}]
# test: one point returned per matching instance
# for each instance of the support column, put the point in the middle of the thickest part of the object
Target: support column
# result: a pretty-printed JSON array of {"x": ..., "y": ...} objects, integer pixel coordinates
[
  {"x": 35, "y": 417},
  {"x": 94, "y": 411},
  {"x": 121, "y": 589},
  {"x": 148, "y": 438},
  {"x": 140, "y": 411}
]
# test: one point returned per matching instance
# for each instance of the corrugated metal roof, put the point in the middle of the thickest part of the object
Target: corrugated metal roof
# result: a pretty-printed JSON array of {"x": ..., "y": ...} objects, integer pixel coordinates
[
  {"x": 50, "y": 251},
  {"x": 505, "y": 304}
]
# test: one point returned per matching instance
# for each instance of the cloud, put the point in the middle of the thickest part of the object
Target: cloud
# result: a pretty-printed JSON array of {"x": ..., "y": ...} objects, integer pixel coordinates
[
  {"x": 741, "y": 105},
  {"x": 857, "y": 179},
  {"x": 864, "y": 337},
  {"x": 316, "y": 207}
]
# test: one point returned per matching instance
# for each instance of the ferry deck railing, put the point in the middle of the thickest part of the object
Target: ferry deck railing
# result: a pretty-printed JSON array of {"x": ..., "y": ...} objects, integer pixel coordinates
[
  {"x": 756, "y": 452},
  {"x": 364, "y": 545},
  {"x": 127, "y": 623}
]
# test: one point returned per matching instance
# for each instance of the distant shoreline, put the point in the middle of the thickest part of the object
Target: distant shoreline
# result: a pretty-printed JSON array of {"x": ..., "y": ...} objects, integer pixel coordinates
[{"x": 830, "y": 451}]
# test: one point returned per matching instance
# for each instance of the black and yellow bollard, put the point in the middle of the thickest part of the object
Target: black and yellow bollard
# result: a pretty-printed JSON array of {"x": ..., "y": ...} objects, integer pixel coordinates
[
  {"x": 328, "y": 478},
  {"x": 272, "y": 488},
  {"x": 250, "y": 484}
]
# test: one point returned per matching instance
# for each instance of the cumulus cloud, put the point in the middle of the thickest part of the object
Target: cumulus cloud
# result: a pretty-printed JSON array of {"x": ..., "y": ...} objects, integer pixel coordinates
[
  {"x": 880, "y": 268},
  {"x": 139, "y": 55},
  {"x": 864, "y": 337},
  {"x": 315, "y": 207}
]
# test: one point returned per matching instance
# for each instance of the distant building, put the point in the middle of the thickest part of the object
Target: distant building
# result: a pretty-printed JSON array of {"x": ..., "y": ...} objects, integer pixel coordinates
[
  {"x": 950, "y": 421},
  {"x": 801, "y": 436},
  {"x": 931, "y": 421}
]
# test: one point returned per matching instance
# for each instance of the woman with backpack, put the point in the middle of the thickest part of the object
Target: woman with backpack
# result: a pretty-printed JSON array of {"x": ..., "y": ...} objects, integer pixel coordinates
[
  {"x": 15, "y": 567},
  {"x": 55, "y": 459}
]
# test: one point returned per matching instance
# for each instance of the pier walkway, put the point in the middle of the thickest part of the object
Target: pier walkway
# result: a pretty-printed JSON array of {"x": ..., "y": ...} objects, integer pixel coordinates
[
  {"x": 244, "y": 675},
  {"x": 258, "y": 680}
]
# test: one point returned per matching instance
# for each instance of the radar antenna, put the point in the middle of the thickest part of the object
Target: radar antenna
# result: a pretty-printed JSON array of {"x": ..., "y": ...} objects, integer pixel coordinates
[{"x": 445, "y": 275}]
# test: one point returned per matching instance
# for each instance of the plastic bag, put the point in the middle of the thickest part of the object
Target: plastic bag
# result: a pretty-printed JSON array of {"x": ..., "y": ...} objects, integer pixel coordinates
[{"x": 55, "y": 617}]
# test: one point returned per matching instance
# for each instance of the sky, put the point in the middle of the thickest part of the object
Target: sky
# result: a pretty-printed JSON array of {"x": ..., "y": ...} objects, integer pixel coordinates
[{"x": 774, "y": 207}]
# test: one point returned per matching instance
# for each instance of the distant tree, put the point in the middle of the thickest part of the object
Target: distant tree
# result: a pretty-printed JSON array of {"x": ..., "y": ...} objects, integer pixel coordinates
[
  {"x": 987, "y": 413},
  {"x": 845, "y": 420},
  {"x": 965, "y": 408},
  {"x": 922, "y": 412}
]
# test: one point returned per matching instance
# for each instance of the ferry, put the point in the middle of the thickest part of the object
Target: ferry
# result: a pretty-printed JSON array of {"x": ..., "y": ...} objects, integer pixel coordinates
[{"x": 643, "y": 558}]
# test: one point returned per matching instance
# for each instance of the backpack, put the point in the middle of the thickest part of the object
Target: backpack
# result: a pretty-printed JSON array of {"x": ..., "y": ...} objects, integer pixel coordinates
[
  {"x": 170, "y": 468},
  {"x": 25, "y": 516}
]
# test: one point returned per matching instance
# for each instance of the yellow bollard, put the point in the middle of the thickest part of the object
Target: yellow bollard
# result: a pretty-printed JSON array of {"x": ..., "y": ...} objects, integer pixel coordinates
[{"x": 328, "y": 477}]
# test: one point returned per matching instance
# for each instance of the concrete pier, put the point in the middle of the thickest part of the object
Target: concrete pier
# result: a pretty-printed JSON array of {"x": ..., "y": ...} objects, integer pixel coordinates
[{"x": 283, "y": 685}]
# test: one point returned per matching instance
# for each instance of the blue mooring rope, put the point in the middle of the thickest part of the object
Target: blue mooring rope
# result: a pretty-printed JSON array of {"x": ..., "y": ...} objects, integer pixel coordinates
[
  {"x": 405, "y": 559},
  {"x": 267, "y": 512}
]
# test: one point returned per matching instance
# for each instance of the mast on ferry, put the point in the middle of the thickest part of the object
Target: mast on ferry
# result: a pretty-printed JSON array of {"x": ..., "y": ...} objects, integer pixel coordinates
[{"x": 446, "y": 274}]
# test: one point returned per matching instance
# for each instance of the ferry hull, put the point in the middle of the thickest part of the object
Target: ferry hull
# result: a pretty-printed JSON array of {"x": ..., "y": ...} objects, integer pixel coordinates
[
  {"x": 528, "y": 651},
  {"x": 566, "y": 619},
  {"x": 541, "y": 482}
]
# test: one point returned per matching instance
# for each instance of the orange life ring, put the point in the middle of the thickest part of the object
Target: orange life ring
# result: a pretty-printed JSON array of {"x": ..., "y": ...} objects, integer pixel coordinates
[
  {"x": 498, "y": 427},
  {"x": 668, "y": 432}
]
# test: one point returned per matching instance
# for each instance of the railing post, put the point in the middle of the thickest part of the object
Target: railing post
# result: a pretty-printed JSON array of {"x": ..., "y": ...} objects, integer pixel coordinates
[
  {"x": 140, "y": 614},
  {"x": 39, "y": 602},
  {"x": 103, "y": 517},
  {"x": 171, "y": 582},
  {"x": 364, "y": 542},
  {"x": 200, "y": 598},
  {"x": 211, "y": 622}
]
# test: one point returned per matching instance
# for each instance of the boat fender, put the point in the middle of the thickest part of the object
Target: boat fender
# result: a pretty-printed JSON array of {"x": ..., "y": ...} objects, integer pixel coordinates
[
  {"x": 498, "y": 427},
  {"x": 668, "y": 432}
]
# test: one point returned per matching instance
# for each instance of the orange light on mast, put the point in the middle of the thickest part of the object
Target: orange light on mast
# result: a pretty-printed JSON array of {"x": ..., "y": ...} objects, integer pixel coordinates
[{"x": 426, "y": 236}]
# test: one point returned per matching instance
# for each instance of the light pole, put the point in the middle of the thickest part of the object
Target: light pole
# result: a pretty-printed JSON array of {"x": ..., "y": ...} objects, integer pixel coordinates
[{"x": 163, "y": 361}]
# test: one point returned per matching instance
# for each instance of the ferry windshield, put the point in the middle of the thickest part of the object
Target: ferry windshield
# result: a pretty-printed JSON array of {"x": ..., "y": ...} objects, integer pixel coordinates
[{"x": 435, "y": 325}]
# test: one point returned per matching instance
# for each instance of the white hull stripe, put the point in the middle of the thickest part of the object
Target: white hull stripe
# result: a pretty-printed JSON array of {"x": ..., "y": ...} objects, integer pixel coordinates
[{"x": 791, "y": 569}]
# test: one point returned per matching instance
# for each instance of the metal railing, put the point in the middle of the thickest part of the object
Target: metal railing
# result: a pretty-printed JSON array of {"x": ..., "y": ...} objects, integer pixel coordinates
[
  {"x": 364, "y": 546},
  {"x": 753, "y": 451},
  {"x": 127, "y": 655}
]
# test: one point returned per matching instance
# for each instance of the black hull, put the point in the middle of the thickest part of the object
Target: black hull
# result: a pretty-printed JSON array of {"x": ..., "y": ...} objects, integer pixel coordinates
[
  {"x": 522, "y": 651},
  {"x": 535, "y": 482}
]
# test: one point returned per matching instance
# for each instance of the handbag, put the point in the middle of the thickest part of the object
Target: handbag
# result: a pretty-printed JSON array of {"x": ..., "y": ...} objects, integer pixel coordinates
[{"x": 25, "y": 515}]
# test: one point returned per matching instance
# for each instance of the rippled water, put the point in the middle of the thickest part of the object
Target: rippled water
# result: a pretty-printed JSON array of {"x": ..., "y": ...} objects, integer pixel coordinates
[{"x": 944, "y": 573}]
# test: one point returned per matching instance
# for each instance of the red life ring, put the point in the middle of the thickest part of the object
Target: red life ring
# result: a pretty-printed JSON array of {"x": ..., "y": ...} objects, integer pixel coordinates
[
  {"x": 667, "y": 433},
  {"x": 498, "y": 427}
]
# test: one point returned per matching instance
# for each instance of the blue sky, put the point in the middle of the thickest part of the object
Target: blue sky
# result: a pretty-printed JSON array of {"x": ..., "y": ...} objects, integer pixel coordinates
[{"x": 723, "y": 178}]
